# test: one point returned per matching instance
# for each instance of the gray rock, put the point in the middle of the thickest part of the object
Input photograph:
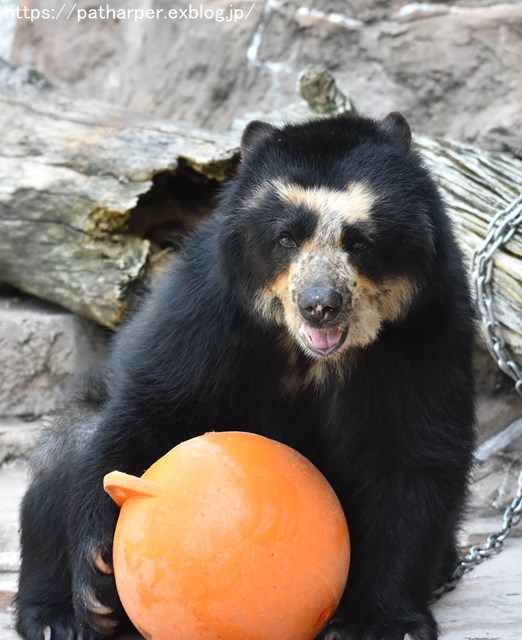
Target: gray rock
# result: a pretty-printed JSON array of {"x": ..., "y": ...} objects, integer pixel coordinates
[
  {"x": 42, "y": 348},
  {"x": 453, "y": 68},
  {"x": 17, "y": 439}
]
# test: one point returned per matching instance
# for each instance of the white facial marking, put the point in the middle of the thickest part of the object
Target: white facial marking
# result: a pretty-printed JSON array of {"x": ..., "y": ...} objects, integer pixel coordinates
[{"x": 335, "y": 208}]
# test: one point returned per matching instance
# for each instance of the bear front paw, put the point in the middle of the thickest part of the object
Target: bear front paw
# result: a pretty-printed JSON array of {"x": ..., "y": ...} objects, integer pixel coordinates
[{"x": 96, "y": 603}]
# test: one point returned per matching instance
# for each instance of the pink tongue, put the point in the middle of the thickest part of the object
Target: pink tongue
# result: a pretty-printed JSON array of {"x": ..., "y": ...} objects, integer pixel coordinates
[{"x": 324, "y": 339}]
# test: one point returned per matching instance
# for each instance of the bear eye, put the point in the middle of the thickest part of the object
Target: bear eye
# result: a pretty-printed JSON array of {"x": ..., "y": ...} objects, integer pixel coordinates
[
  {"x": 286, "y": 241},
  {"x": 358, "y": 246},
  {"x": 354, "y": 242}
]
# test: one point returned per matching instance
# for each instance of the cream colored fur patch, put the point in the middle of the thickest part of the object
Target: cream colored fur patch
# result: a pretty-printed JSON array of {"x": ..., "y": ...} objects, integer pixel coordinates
[{"x": 335, "y": 208}]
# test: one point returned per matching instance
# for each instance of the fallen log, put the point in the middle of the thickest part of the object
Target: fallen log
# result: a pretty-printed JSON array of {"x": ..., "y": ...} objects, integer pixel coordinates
[
  {"x": 84, "y": 189},
  {"x": 476, "y": 186}
]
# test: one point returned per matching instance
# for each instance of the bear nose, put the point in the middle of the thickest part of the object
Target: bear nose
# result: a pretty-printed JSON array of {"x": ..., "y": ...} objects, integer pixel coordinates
[{"x": 319, "y": 304}]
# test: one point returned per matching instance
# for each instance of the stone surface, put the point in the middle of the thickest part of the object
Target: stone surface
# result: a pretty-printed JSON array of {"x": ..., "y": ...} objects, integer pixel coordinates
[
  {"x": 17, "y": 438},
  {"x": 13, "y": 480},
  {"x": 452, "y": 67},
  {"x": 42, "y": 348},
  {"x": 487, "y": 604}
]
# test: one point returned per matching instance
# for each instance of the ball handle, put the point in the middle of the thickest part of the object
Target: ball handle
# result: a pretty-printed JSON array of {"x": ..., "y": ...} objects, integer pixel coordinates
[{"x": 122, "y": 486}]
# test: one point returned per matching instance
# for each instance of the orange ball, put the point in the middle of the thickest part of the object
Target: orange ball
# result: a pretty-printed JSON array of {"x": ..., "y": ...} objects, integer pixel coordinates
[{"x": 229, "y": 536}]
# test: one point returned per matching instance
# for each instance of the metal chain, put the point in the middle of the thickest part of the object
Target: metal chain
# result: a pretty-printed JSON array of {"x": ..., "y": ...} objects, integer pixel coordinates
[
  {"x": 494, "y": 543},
  {"x": 500, "y": 231}
]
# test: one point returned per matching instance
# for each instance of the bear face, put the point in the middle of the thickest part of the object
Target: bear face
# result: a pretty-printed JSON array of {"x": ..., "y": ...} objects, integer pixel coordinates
[{"x": 334, "y": 231}]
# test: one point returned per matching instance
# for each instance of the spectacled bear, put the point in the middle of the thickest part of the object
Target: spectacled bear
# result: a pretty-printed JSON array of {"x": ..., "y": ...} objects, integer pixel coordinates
[{"x": 324, "y": 304}]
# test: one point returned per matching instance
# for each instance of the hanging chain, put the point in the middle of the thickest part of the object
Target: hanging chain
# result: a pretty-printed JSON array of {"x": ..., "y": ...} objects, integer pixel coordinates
[{"x": 500, "y": 231}]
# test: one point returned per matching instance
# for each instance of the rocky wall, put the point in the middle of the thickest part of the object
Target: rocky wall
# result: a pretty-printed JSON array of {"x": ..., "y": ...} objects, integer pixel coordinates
[{"x": 454, "y": 68}]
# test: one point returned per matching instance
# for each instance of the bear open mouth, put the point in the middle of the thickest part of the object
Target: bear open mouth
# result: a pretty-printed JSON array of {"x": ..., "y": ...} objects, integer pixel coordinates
[{"x": 323, "y": 341}]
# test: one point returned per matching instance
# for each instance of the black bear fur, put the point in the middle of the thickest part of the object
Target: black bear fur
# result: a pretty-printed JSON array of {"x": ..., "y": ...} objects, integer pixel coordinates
[{"x": 389, "y": 422}]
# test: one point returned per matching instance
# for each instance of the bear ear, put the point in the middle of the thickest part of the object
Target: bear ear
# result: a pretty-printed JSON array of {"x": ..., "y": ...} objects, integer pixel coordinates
[
  {"x": 255, "y": 132},
  {"x": 395, "y": 125}
]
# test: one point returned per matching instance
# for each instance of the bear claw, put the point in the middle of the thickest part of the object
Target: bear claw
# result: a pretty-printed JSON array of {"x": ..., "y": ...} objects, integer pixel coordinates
[
  {"x": 106, "y": 627},
  {"x": 102, "y": 566},
  {"x": 100, "y": 612},
  {"x": 96, "y": 607}
]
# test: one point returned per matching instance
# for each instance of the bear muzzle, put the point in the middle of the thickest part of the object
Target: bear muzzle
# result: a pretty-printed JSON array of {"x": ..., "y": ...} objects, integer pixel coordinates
[{"x": 323, "y": 311}]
